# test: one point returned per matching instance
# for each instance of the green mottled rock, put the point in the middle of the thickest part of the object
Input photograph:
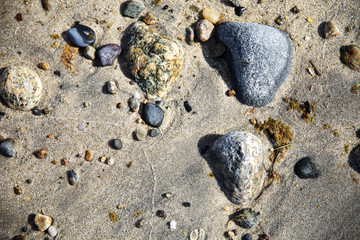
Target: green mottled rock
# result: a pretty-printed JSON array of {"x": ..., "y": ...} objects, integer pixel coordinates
[
  {"x": 155, "y": 60},
  {"x": 133, "y": 9},
  {"x": 20, "y": 87}
]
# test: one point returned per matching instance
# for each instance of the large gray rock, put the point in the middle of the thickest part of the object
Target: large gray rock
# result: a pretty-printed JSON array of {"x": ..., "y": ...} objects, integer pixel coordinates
[
  {"x": 238, "y": 165},
  {"x": 260, "y": 59}
]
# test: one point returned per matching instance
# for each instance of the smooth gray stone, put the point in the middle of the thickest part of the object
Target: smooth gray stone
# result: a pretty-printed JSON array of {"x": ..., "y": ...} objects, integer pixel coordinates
[
  {"x": 133, "y": 9},
  {"x": 7, "y": 148},
  {"x": 260, "y": 60}
]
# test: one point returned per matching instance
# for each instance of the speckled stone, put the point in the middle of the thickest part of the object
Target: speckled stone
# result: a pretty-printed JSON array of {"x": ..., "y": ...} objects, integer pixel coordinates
[
  {"x": 204, "y": 29},
  {"x": 306, "y": 168},
  {"x": 133, "y": 9},
  {"x": 246, "y": 218},
  {"x": 154, "y": 132},
  {"x": 260, "y": 58},
  {"x": 7, "y": 148},
  {"x": 108, "y": 53},
  {"x": 89, "y": 52},
  {"x": 238, "y": 163},
  {"x": 81, "y": 36},
  {"x": 198, "y": 234},
  {"x": 247, "y": 236},
  {"x": 155, "y": 61},
  {"x": 117, "y": 144},
  {"x": 20, "y": 87},
  {"x": 152, "y": 115}
]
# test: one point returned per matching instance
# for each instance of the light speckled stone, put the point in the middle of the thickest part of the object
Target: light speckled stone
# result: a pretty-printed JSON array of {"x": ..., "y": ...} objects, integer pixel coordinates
[
  {"x": 204, "y": 29},
  {"x": 155, "y": 61},
  {"x": 260, "y": 58},
  {"x": 133, "y": 9},
  {"x": 20, "y": 87},
  {"x": 330, "y": 30},
  {"x": 238, "y": 164}
]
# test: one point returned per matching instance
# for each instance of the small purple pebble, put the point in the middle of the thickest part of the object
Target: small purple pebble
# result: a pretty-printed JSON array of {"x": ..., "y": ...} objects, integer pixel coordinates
[{"x": 108, "y": 53}]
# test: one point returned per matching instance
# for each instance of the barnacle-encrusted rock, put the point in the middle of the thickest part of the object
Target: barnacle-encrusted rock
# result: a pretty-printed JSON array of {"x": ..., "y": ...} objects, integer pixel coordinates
[
  {"x": 238, "y": 164},
  {"x": 20, "y": 87},
  {"x": 155, "y": 60}
]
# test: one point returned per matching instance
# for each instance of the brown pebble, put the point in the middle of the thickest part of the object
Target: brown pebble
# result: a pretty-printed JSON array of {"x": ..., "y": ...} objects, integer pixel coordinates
[
  {"x": 253, "y": 121},
  {"x": 230, "y": 93},
  {"x": 17, "y": 190},
  {"x": 118, "y": 206},
  {"x": 350, "y": 56},
  {"x": 149, "y": 19},
  {"x": 19, "y": 17},
  {"x": 49, "y": 136},
  {"x": 54, "y": 162},
  {"x": 88, "y": 155},
  {"x": 64, "y": 162},
  {"x": 42, "y": 153},
  {"x": 44, "y": 66},
  {"x": 1, "y": 138},
  {"x": 119, "y": 105},
  {"x": 45, "y": 4},
  {"x": 129, "y": 165},
  {"x": 204, "y": 29}
]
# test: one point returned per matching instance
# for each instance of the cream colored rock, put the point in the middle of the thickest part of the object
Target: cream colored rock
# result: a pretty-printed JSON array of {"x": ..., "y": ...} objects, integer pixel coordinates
[
  {"x": 211, "y": 15},
  {"x": 43, "y": 222},
  {"x": 330, "y": 30}
]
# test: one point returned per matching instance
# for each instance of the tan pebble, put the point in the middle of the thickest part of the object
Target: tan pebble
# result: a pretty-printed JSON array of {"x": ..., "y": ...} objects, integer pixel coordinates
[
  {"x": 42, "y": 153},
  {"x": 211, "y": 15},
  {"x": 253, "y": 121},
  {"x": 64, "y": 162},
  {"x": 119, "y": 105},
  {"x": 149, "y": 19},
  {"x": 112, "y": 88},
  {"x": 230, "y": 93},
  {"x": 55, "y": 36},
  {"x": 310, "y": 19},
  {"x": 55, "y": 45},
  {"x": 102, "y": 159},
  {"x": 118, "y": 206},
  {"x": 54, "y": 162},
  {"x": 88, "y": 155},
  {"x": 43, "y": 222},
  {"x": 231, "y": 234},
  {"x": 330, "y": 30},
  {"x": 204, "y": 29},
  {"x": 44, "y": 66},
  {"x": 350, "y": 56}
]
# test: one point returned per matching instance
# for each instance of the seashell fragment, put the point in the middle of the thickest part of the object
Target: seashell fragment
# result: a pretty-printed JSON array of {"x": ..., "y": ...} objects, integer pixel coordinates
[
  {"x": 197, "y": 234},
  {"x": 43, "y": 222},
  {"x": 238, "y": 165}
]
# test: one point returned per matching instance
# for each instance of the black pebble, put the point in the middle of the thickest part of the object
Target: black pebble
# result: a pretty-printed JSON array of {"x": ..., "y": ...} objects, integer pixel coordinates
[
  {"x": 305, "y": 168},
  {"x": 57, "y": 73},
  {"x": 18, "y": 237},
  {"x": 7, "y": 148},
  {"x": 187, "y": 106},
  {"x": 46, "y": 238},
  {"x": 154, "y": 132},
  {"x": 117, "y": 144},
  {"x": 28, "y": 181},
  {"x": 161, "y": 214},
  {"x": 247, "y": 236},
  {"x": 358, "y": 133},
  {"x": 239, "y": 10},
  {"x": 2, "y": 115},
  {"x": 165, "y": 7},
  {"x": 24, "y": 229},
  {"x": 152, "y": 115},
  {"x": 186, "y": 204},
  {"x": 139, "y": 223},
  {"x": 37, "y": 111}
]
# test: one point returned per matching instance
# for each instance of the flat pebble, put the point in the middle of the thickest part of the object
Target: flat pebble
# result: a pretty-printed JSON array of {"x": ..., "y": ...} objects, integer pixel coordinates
[
  {"x": 52, "y": 231},
  {"x": 7, "y": 148},
  {"x": 73, "y": 178},
  {"x": 117, "y": 144},
  {"x": 306, "y": 168},
  {"x": 246, "y": 218},
  {"x": 81, "y": 36},
  {"x": 108, "y": 53},
  {"x": 330, "y": 30},
  {"x": 89, "y": 52},
  {"x": 36, "y": 111},
  {"x": 152, "y": 115},
  {"x": 198, "y": 234},
  {"x": 44, "y": 66},
  {"x": 139, "y": 135},
  {"x": 189, "y": 35},
  {"x": 173, "y": 225},
  {"x": 88, "y": 155},
  {"x": 350, "y": 56},
  {"x": 204, "y": 29},
  {"x": 154, "y": 132},
  {"x": 42, "y": 153},
  {"x": 111, "y": 87},
  {"x": 133, "y": 9},
  {"x": 20, "y": 87},
  {"x": 43, "y": 222},
  {"x": 211, "y": 15}
]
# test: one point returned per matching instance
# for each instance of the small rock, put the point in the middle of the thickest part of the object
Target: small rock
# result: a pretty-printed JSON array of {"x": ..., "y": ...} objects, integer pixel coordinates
[
  {"x": 152, "y": 115},
  {"x": 172, "y": 225},
  {"x": 230, "y": 234},
  {"x": 108, "y": 53},
  {"x": 198, "y": 234},
  {"x": 81, "y": 36},
  {"x": 350, "y": 56},
  {"x": 102, "y": 159},
  {"x": 186, "y": 204},
  {"x": 245, "y": 218},
  {"x": 117, "y": 144},
  {"x": 112, "y": 88},
  {"x": 43, "y": 222},
  {"x": 44, "y": 66},
  {"x": 204, "y": 29},
  {"x": 7, "y": 148},
  {"x": 189, "y": 35},
  {"x": 52, "y": 231},
  {"x": 239, "y": 10},
  {"x": 2, "y": 115},
  {"x": 133, "y": 9},
  {"x": 64, "y": 162},
  {"x": 161, "y": 214},
  {"x": 154, "y": 132},
  {"x": 149, "y": 19},
  {"x": 81, "y": 127},
  {"x": 89, "y": 52},
  {"x": 24, "y": 229},
  {"x": 134, "y": 104},
  {"x": 217, "y": 50},
  {"x": 73, "y": 178},
  {"x": 19, "y": 17},
  {"x": 17, "y": 190},
  {"x": 310, "y": 19},
  {"x": 231, "y": 92},
  {"x": 330, "y": 30},
  {"x": 42, "y": 153},
  {"x": 110, "y": 161},
  {"x": 167, "y": 195},
  {"x": 187, "y": 106},
  {"x": 136, "y": 95},
  {"x": 18, "y": 237},
  {"x": 247, "y": 236},
  {"x": 295, "y": 10},
  {"x": 211, "y": 15},
  {"x": 36, "y": 111},
  {"x": 139, "y": 135},
  {"x": 305, "y": 168},
  {"x": 20, "y": 87},
  {"x": 139, "y": 223},
  {"x": 119, "y": 105},
  {"x": 279, "y": 20},
  {"x": 88, "y": 155}
]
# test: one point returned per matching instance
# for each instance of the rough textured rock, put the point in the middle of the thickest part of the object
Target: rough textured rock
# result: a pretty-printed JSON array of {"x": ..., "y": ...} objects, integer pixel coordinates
[
  {"x": 350, "y": 56},
  {"x": 155, "y": 60},
  {"x": 260, "y": 58},
  {"x": 133, "y": 9},
  {"x": 330, "y": 30},
  {"x": 20, "y": 87},
  {"x": 246, "y": 218},
  {"x": 108, "y": 53},
  {"x": 43, "y": 222},
  {"x": 237, "y": 159}
]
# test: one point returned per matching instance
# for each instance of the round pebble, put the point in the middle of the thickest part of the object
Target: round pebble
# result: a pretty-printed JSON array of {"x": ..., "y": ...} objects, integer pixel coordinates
[
  {"x": 43, "y": 222},
  {"x": 17, "y": 190},
  {"x": 186, "y": 204},
  {"x": 161, "y": 214},
  {"x": 134, "y": 104},
  {"x": 20, "y": 87},
  {"x": 239, "y": 10},
  {"x": 189, "y": 37},
  {"x": 246, "y": 218},
  {"x": 173, "y": 225},
  {"x": 110, "y": 161},
  {"x": 117, "y": 144},
  {"x": 52, "y": 231},
  {"x": 112, "y": 88},
  {"x": 36, "y": 111},
  {"x": 81, "y": 127},
  {"x": 187, "y": 106},
  {"x": 247, "y": 236},
  {"x": 211, "y": 15},
  {"x": 139, "y": 135},
  {"x": 82, "y": 36},
  {"x": 152, "y": 115},
  {"x": 108, "y": 53},
  {"x": 149, "y": 19},
  {"x": 139, "y": 223},
  {"x": 73, "y": 178},
  {"x": 350, "y": 56},
  {"x": 330, "y": 30},
  {"x": 89, "y": 52},
  {"x": 305, "y": 168},
  {"x": 42, "y": 153},
  {"x": 154, "y": 132},
  {"x": 24, "y": 229},
  {"x": 7, "y": 148},
  {"x": 133, "y": 9},
  {"x": 204, "y": 29}
]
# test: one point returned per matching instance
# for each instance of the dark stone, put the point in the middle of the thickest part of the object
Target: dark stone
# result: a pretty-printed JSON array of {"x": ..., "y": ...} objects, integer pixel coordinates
[
  {"x": 295, "y": 10},
  {"x": 152, "y": 115},
  {"x": 73, "y": 178},
  {"x": 187, "y": 106},
  {"x": 108, "y": 53},
  {"x": 28, "y": 181},
  {"x": 18, "y": 237},
  {"x": 358, "y": 133},
  {"x": 165, "y": 7},
  {"x": 161, "y": 214},
  {"x": 354, "y": 159},
  {"x": 139, "y": 223},
  {"x": 2, "y": 115},
  {"x": 247, "y": 236},
  {"x": 81, "y": 36},
  {"x": 260, "y": 60},
  {"x": 133, "y": 9},
  {"x": 57, "y": 73},
  {"x": 7, "y": 148},
  {"x": 245, "y": 218},
  {"x": 154, "y": 132},
  {"x": 305, "y": 168},
  {"x": 186, "y": 204},
  {"x": 239, "y": 10},
  {"x": 24, "y": 229},
  {"x": 36, "y": 111},
  {"x": 117, "y": 144}
]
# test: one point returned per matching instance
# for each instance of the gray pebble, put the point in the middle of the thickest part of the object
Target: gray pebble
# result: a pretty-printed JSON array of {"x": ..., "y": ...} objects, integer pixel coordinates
[
  {"x": 154, "y": 132},
  {"x": 7, "y": 148},
  {"x": 73, "y": 178},
  {"x": 139, "y": 135},
  {"x": 111, "y": 87},
  {"x": 117, "y": 144},
  {"x": 108, "y": 53},
  {"x": 133, "y": 9},
  {"x": 330, "y": 30},
  {"x": 152, "y": 115},
  {"x": 134, "y": 104},
  {"x": 189, "y": 35}
]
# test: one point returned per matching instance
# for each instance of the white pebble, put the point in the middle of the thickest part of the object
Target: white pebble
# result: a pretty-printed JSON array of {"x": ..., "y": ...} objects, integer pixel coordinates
[
  {"x": 173, "y": 225},
  {"x": 52, "y": 231},
  {"x": 136, "y": 95},
  {"x": 110, "y": 161}
]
